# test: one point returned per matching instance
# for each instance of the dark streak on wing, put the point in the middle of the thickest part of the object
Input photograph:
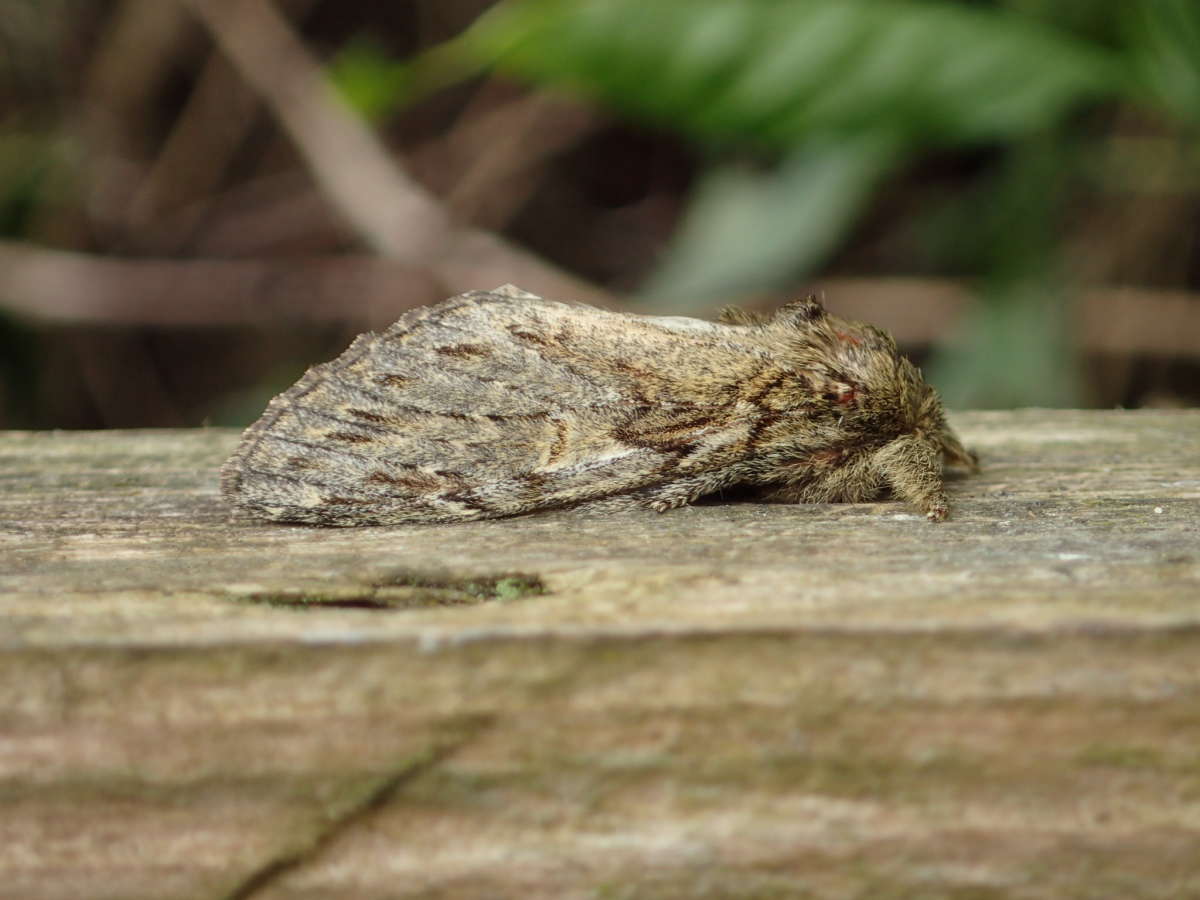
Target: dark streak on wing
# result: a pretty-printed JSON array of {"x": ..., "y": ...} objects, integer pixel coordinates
[
  {"x": 625, "y": 367},
  {"x": 559, "y": 445},
  {"x": 464, "y": 351},
  {"x": 530, "y": 337},
  {"x": 276, "y": 475},
  {"x": 390, "y": 379},
  {"x": 677, "y": 438},
  {"x": 770, "y": 387},
  {"x": 516, "y": 417},
  {"x": 680, "y": 445},
  {"x": 397, "y": 381},
  {"x": 349, "y": 437},
  {"x": 312, "y": 445},
  {"x": 313, "y": 412},
  {"x": 419, "y": 483},
  {"x": 405, "y": 408},
  {"x": 762, "y": 423},
  {"x": 636, "y": 376},
  {"x": 367, "y": 416},
  {"x": 468, "y": 498},
  {"x": 532, "y": 486}
]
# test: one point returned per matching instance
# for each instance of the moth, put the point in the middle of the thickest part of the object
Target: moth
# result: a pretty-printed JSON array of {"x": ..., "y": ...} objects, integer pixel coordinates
[{"x": 498, "y": 403}]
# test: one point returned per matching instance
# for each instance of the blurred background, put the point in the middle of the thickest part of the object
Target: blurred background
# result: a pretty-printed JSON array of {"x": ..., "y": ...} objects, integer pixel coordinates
[{"x": 200, "y": 198}]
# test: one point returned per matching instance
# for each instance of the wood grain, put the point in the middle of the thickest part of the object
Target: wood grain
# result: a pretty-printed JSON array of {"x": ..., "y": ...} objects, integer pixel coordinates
[{"x": 727, "y": 700}]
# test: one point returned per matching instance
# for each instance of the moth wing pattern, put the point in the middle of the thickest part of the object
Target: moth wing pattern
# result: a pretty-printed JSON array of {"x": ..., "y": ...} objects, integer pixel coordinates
[{"x": 496, "y": 403}]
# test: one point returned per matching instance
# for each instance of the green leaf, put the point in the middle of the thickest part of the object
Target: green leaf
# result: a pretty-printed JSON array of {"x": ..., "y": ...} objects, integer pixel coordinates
[
  {"x": 841, "y": 90},
  {"x": 775, "y": 72},
  {"x": 1013, "y": 352},
  {"x": 376, "y": 85},
  {"x": 750, "y": 230},
  {"x": 368, "y": 80},
  {"x": 1014, "y": 347},
  {"x": 29, "y": 166},
  {"x": 1165, "y": 39}
]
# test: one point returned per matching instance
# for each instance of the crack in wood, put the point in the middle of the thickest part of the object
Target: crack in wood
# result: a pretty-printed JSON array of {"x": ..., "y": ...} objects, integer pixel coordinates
[
  {"x": 273, "y": 870},
  {"x": 405, "y": 589}
]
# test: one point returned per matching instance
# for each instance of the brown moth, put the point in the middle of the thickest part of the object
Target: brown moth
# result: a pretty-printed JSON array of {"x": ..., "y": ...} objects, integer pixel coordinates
[{"x": 497, "y": 403}]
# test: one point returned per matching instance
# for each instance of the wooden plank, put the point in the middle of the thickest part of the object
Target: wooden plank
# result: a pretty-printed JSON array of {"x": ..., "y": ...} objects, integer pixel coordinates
[{"x": 727, "y": 700}]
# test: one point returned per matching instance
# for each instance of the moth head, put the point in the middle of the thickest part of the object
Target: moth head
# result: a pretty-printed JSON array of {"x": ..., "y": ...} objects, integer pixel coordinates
[
  {"x": 850, "y": 357},
  {"x": 864, "y": 374}
]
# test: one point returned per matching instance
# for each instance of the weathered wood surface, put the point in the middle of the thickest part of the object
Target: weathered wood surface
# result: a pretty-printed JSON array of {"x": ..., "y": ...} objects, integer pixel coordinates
[{"x": 727, "y": 700}]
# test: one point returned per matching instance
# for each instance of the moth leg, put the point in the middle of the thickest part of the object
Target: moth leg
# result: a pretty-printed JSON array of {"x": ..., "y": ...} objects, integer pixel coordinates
[
  {"x": 912, "y": 467},
  {"x": 954, "y": 453},
  {"x": 853, "y": 481},
  {"x": 675, "y": 494}
]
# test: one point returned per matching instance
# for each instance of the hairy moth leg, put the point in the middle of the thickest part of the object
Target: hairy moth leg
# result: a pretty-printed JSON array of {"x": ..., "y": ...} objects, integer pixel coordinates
[
  {"x": 954, "y": 453},
  {"x": 854, "y": 481},
  {"x": 912, "y": 467},
  {"x": 681, "y": 492}
]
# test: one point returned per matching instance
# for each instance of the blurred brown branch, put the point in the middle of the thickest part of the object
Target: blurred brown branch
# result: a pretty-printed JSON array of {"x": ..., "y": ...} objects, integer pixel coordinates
[
  {"x": 66, "y": 287},
  {"x": 1108, "y": 319},
  {"x": 393, "y": 215},
  {"x": 364, "y": 291}
]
